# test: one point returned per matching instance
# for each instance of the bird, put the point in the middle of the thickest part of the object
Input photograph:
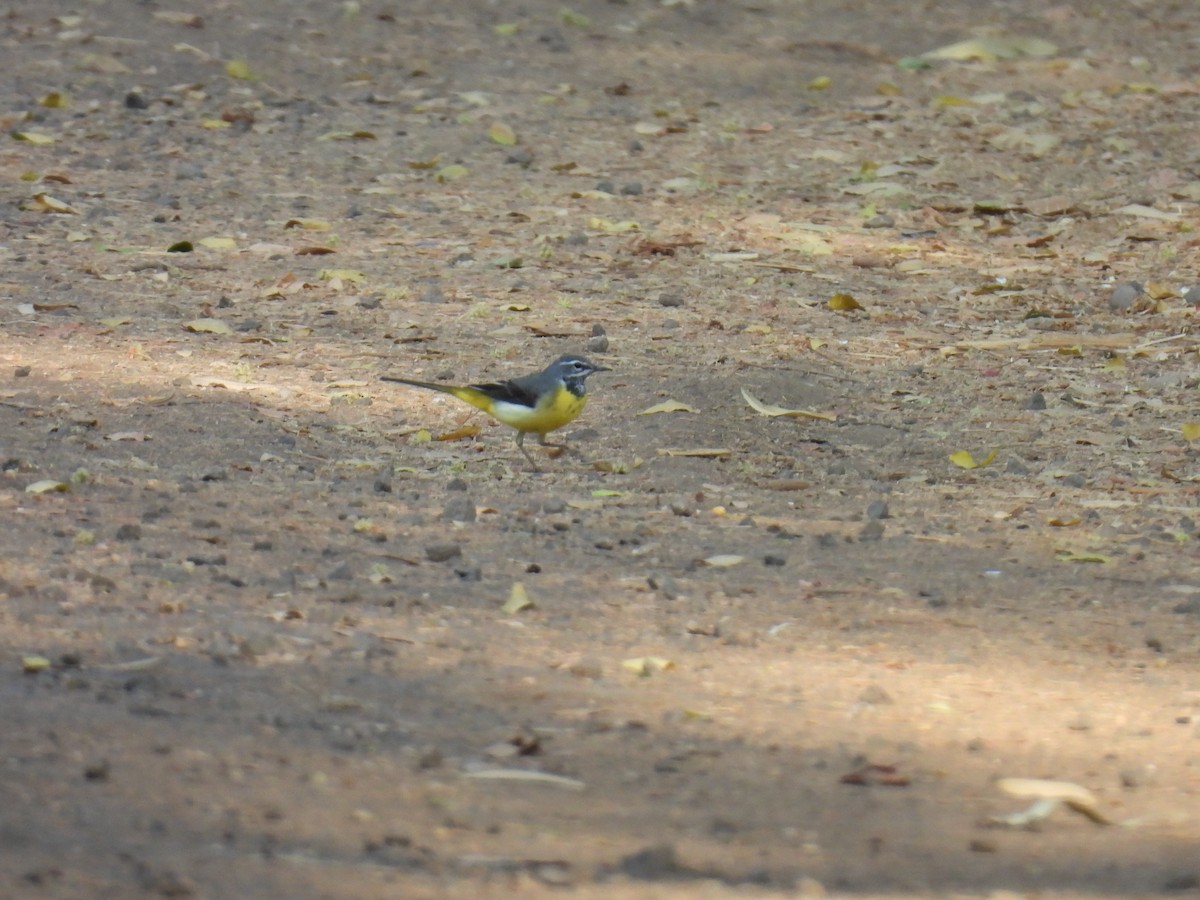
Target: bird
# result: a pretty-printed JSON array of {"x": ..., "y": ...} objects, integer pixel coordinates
[{"x": 532, "y": 404}]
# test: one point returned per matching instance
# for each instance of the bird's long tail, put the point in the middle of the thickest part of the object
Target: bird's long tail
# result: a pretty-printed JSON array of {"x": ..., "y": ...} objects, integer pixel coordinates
[{"x": 475, "y": 397}]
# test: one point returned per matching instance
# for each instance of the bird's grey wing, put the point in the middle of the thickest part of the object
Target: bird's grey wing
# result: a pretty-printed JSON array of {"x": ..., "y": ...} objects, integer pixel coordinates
[{"x": 518, "y": 391}]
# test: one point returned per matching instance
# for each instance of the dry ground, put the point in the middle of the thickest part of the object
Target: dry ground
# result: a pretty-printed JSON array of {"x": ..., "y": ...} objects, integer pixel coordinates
[{"x": 258, "y": 648}]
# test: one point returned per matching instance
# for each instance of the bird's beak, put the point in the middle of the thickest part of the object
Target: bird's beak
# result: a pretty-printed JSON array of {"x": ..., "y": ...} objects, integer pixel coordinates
[{"x": 601, "y": 368}]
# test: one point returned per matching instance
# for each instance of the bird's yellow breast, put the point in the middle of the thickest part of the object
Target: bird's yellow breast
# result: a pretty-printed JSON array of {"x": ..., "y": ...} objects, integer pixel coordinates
[{"x": 554, "y": 410}]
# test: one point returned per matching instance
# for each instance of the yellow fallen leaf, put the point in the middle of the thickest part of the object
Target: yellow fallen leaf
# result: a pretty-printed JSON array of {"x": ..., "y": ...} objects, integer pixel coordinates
[
  {"x": 518, "y": 600},
  {"x": 47, "y": 486},
  {"x": 1191, "y": 431},
  {"x": 1061, "y": 522},
  {"x": 240, "y": 69},
  {"x": 611, "y": 226},
  {"x": 208, "y": 326},
  {"x": 993, "y": 47},
  {"x": 843, "y": 302},
  {"x": 1073, "y": 556},
  {"x": 724, "y": 560},
  {"x": 54, "y": 100},
  {"x": 665, "y": 407},
  {"x": 42, "y": 202},
  {"x": 32, "y": 137},
  {"x": 605, "y": 492},
  {"x": 502, "y": 134},
  {"x": 820, "y": 83},
  {"x": 645, "y": 665},
  {"x": 352, "y": 275},
  {"x": 31, "y": 665},
  {"x": 964, "y": 460},
  {"x": 215, "y": 124},
  {"x": 451, "y": 173},
  {"x": 218, "y": 243},
  {"x": 506, "y": 29},
  {"x": 768, "y": 409}
]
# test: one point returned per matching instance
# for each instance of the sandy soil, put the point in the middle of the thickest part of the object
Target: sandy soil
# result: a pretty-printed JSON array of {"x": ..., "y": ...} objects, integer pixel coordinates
[{"x": 253, "y": 631}]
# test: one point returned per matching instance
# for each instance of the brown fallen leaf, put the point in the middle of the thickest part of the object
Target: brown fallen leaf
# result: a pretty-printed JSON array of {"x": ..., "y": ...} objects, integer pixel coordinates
[
  {"x": 873, "y": 774},
  {"x": 704, "y": 452},
  {"x": 458, "y": 434}
]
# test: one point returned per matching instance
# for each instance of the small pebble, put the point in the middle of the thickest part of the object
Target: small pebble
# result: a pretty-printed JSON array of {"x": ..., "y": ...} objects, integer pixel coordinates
[
  {"x": 136, "y": 100},
  {"x": 129, "y": 532},
  {"x": 597, "y": 344},
  {"x": 588, "y": 667},
  {"x": 519, "y": 156},
  {"x": 772, "y": 560},
  {"x": 606, "y": 186},
  {"x": 670, "y": 299},
  {"x": 459, "y": 509},
  {"x": 634, "y": 189},
  {"x": 1124, "y": 295},
  {"x": 664, "y": 584},
  {"x": 1036, "y": 401},
  {"x": 22, "y": 372},
  {"x": 872, "y": 531},
  {"x": 874, "y": 695},
  {"x": 681, "y": 508},
  {"x": 883, "y": 220},
  {"x": 1192, "y": 295},
  {"x": 878, "y": 509},
  {"x": 442, "y": 552},
  {"x": 554, "y": 505}
]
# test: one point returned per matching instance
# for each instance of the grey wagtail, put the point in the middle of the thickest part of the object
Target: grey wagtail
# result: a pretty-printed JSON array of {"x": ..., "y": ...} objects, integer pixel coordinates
[{"x": 537, "y": 403}]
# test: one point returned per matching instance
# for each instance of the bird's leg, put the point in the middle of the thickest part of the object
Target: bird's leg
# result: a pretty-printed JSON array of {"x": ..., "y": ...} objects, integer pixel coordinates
[{"x": 521, "y": 447}]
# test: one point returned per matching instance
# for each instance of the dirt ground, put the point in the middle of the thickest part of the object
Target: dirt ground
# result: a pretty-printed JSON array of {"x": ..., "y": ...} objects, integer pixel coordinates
[{"x": 256, "y": 638}]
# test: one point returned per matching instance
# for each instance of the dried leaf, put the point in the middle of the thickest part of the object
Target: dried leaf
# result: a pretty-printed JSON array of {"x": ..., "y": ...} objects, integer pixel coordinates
[
  {"x": 993, "y": 47},
  {"x": 502, "y": 134},
  {"x": 1068, "y": 522},
  {"x": 31, "y": 665},
  {"x": 352, "y": 275},
  {"x": 665, "y": 407},
  {"x": 218, "y": 243},
  {"x": 768, "y": 409},
  {"x": 309, "y": 224},
  {"x": 240, "y": 69},
  {"x": 189, "y": 20},
  {"x": 1191, "y": 431},
  {"x": 964, "y": 460},
  {"x": 458, "y": 434},
  {"x": 703, "y": 452},
  {"x": 1073, "y": 556},
  {"x": 723, "y": 560},
  {"x": 32, "y": 137},
  {"x": 47, "y": 486},
  {"x": 842, "y": 302},
  {"x": 54, "y": 100},
  {"x": 451, "y": 173},
  {"x": 609, "y": 226},
  {"x": 45, "y": 203},
  {"x": 208, "y": 326},
  {"x": 518, "y": 600},
  {"x": 1146, "y": 212},
  {"x": 647, "y": 665}
]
